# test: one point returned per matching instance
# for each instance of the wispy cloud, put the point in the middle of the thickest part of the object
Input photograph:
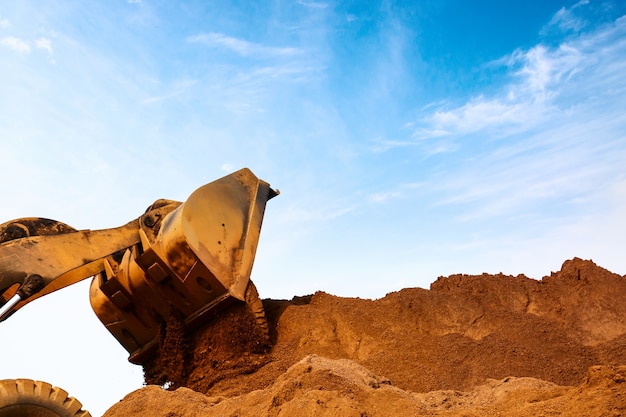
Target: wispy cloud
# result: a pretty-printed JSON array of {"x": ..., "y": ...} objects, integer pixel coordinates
[
  {"x": 480, "y": 114},
  {"x": 18, "y": 45},
  {"x": 383, "y": 197},
  {"x": 313, "y": 4},
  {"x": 541, "y": 69},
  {"x": 567, "y": 19},
  {"x": 177, "y": 88},
  {"x": 548, "y": 177},
  {"x": 4, "y": 23},
  {"x": 227, "y": 167},
  {"x": 539, "y": 77},
  {"x": 24, "y": 47},
  {"x": 320, "y": 213},
  {"x": 551, "y": 141},
  {"x": 399, "y": 192},
  {"x": 538, "y": 74},
  {"x": 44, "y": 43},
  {"x": 240, "y": 46}
]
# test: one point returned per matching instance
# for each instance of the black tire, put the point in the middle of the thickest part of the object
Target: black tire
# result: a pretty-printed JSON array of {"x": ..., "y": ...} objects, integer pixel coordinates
[
  {"x": 28, "y": 398},
  {"x": 32, "y": 226}
]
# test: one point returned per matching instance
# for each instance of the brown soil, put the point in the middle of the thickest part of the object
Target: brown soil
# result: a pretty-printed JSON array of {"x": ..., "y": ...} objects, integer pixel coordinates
[
  {"x": 229, "y": 345},
  {"x": 471, "y": 345}
]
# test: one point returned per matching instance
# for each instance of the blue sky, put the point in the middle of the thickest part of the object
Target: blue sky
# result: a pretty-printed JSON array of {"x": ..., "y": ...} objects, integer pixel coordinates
[{"x": 408, "y": 141}]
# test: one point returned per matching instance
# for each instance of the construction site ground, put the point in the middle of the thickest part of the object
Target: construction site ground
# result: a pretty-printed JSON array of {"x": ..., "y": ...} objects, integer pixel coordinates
[{"x": 471, "y": 345}]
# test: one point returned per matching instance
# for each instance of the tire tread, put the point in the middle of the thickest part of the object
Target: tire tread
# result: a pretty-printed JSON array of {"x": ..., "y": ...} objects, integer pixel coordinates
[{"x": 40, "y": 393}]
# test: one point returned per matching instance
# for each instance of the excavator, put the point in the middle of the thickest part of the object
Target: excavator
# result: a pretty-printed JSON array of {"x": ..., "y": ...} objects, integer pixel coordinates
[{"x": 190, "y": 260}]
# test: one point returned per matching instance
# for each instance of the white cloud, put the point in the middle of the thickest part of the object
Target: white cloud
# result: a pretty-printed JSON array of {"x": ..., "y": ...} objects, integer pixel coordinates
[
  {"x": 44, "y": 43},
  {"x": 240, "y": 46},
  {"x": 177, "y": 88},
  {"x": 480, "y": 114},
  {"x": 24, "y": 47},
  {"x": 549, "y": 145},
  {"x": 543, "y": 68},
  {"x": 17, "y": 44},
  {"x": 4, "y": 23},
  {"x": 317, "y": 214},
  {"x": 399, "y": 192},
  {"x": 540, "y": 76},
  {"x": 383, "y": 197},
  {"x": 565, "y": 20},
  {"x": 227, "y": 167},
  {"x": 313, "y": 4}
]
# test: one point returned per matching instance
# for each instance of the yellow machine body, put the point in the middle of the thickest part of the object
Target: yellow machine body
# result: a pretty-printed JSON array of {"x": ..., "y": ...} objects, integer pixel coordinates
[
  {"x": 192, "y": 260},
  {"x": 186, "y": 260}
]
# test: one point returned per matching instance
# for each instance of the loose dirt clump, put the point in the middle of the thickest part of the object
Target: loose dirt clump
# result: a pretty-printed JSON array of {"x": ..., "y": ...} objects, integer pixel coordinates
[
  {"x": 169, "y": 366},
  {"x": 229, "y": 345},
  {"x": 472, "y": 345}
]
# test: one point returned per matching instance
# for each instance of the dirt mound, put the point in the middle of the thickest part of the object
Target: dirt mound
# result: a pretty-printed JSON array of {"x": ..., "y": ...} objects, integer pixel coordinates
[
  {"x": 340, "y": 387},
  {"x": 468, "y": 345}
]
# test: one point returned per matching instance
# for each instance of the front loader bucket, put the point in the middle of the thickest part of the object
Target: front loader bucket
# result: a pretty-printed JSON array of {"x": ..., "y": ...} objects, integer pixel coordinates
[{"x": 194, "y": 258}]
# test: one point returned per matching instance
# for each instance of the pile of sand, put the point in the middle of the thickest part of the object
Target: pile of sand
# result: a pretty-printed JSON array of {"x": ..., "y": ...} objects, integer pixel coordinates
[{"x": 471, "y": 345}]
